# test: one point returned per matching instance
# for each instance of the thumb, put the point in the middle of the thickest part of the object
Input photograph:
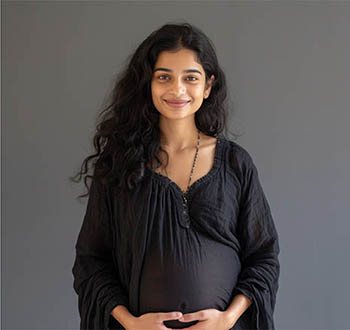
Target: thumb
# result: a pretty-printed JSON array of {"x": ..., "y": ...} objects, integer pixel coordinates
[{"x": 191, "y": 317}]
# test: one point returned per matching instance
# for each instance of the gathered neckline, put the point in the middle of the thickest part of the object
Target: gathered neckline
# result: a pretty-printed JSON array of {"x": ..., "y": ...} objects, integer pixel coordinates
[{"x": 216, "y": 165}]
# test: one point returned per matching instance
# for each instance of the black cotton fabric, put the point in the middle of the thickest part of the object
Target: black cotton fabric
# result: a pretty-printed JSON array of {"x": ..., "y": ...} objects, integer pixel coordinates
[{"x": 159, "y": 258}]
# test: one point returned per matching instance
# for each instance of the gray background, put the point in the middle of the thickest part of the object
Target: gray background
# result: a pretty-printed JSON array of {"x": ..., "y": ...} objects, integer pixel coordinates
[{"x": 288, "y": 72}]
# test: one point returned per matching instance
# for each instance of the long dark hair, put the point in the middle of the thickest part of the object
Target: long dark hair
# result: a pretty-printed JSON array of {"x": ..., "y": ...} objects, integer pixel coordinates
[{"x": 127, "y": 134}]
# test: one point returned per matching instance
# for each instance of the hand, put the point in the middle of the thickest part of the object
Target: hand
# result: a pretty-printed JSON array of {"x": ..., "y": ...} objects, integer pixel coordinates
[
  {"x": 152, "y": 321},
  {"x": 209, "y": 319}
]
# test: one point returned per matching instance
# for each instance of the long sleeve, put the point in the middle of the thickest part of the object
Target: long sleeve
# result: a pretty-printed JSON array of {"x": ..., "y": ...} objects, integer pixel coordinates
[
  {"x": 96, "y": 279},
  {"x": 259, "y": 275}
]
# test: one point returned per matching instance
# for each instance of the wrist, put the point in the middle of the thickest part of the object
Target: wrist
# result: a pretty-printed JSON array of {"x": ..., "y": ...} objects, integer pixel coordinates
[
  {"x": 230, "y": 318},
  {"x": 123, "y": 316},
  {"x": 130, "y": 322}
]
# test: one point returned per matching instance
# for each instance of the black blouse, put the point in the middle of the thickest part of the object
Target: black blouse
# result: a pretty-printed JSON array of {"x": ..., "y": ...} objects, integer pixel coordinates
[{"x": 172, "y": 255}]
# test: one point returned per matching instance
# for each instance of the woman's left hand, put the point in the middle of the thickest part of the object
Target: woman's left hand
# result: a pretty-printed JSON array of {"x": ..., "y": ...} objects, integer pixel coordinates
[{"x": 209, "y": 319}]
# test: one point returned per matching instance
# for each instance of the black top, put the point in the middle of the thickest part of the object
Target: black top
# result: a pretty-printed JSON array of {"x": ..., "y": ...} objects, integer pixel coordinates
[{"x": 180, "y": 254}]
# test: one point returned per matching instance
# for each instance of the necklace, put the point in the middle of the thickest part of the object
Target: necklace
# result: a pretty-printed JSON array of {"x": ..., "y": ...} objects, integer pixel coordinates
[
  {"x": 185, "y": 205},
  {"x": 194, "y": 162},
  {"x": 184, "y": 193},
  {"x": 186, "y": 216},
  {"x": 193, "y": 165}
]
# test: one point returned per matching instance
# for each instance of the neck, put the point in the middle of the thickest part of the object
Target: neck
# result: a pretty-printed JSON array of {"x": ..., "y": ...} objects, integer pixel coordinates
[{"x": 177, "y": 135}]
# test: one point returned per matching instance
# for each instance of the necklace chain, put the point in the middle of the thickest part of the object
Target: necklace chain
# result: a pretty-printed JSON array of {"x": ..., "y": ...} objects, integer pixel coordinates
[
  {"x": 194, "y": 161},
  {"x": 193, "y": 166}
]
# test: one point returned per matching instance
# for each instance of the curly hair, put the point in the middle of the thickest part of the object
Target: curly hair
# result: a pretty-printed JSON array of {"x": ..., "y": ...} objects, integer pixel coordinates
[{"x": 127, "y": 134}]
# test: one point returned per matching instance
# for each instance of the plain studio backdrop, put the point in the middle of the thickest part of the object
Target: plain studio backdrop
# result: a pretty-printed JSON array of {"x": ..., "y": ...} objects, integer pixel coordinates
[{"x": 288, "y": 74}]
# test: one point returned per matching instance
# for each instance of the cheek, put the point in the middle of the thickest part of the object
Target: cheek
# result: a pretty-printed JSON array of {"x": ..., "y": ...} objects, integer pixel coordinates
[
  {"x": 155, "y": 92},
  {"x": 197, "y": 92}
]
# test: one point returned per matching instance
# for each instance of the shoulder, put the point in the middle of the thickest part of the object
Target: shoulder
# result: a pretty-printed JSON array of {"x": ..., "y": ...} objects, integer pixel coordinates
[
  {"x": 242, "y": 165},
  {"x": 237, "y": 157}
]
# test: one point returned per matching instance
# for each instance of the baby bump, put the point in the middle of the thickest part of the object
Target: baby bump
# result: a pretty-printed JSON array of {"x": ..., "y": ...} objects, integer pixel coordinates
[{"x": 188, "y": 279}]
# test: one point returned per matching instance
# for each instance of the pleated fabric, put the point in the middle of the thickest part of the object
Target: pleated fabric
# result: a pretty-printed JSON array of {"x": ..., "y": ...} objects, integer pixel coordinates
[
  {"x": 96, "y": 279},
  {"x": 168, "y": 256}
]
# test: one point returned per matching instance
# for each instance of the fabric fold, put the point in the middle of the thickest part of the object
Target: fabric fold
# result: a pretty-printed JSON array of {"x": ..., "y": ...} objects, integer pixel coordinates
[
  {"x": 96, "y": 278},
  {"x": 259, "y": 242}
]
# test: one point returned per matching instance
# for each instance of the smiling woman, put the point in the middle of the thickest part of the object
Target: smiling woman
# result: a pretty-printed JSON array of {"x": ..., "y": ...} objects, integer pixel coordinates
[{"x": 177, "y": 222}]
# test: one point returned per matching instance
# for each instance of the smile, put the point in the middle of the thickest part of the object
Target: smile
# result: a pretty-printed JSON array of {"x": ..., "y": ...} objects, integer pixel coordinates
[{"x": 177, "y": 104}]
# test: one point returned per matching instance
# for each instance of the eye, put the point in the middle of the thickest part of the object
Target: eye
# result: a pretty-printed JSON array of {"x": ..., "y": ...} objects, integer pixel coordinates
[{"x": 164, "y": 77}]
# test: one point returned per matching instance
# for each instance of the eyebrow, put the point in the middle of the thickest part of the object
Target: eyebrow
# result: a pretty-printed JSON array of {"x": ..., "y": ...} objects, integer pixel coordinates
[{"x": 184, "y": 71}]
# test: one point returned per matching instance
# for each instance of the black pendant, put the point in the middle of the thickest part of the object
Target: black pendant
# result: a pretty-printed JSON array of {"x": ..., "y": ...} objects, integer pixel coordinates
[{"x": 185, "y": 223}]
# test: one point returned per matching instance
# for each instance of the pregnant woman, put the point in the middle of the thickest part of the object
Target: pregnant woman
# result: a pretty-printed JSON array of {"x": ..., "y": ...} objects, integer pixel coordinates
[{"x": 178, "y": 232}]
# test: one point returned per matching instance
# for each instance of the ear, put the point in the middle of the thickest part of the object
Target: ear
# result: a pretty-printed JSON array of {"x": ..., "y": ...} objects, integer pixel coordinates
[{"x": 208, "y": 86}]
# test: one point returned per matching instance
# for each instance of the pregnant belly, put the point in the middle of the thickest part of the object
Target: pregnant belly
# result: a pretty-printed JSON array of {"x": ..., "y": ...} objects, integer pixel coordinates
[{"x": 188, "y": 281}]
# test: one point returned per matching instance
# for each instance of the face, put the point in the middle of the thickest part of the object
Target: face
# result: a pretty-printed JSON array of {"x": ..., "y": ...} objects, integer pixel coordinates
[{"x": 177, "y": 77}]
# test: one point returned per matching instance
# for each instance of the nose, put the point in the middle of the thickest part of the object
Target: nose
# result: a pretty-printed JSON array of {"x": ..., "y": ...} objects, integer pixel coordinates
[{"x": 178, "y": 87}]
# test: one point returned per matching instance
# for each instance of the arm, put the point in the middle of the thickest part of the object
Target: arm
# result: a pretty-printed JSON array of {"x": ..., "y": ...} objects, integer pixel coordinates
[
  {"x": 237, "y": 307},
  {"x": 258, "y": 279},
  {"x": 96, "y": 279}
]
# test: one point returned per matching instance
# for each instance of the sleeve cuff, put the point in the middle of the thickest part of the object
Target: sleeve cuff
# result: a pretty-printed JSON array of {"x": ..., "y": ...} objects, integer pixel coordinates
[{"x": 108, "y": 318}]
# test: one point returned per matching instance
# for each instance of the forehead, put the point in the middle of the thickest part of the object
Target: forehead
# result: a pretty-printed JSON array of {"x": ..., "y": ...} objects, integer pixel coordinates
[{"x": 178, "y": 61}]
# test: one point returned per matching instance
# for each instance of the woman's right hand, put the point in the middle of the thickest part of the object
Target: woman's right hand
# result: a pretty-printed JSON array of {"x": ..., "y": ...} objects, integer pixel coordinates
[{"x": 152, "y": 321}]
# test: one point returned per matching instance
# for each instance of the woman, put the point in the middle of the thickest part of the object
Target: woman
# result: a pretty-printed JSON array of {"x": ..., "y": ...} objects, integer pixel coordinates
[{"x": 177, "y": 223}]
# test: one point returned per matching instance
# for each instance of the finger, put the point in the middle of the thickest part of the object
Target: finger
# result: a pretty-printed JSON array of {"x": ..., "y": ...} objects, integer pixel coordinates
[
  {"x": 169, "y": 316},
  {"x": 193, "y": 317}
]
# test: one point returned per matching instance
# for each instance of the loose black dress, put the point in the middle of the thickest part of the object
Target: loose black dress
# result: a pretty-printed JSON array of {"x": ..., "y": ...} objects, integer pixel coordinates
[{"x": 168, "y": 255}]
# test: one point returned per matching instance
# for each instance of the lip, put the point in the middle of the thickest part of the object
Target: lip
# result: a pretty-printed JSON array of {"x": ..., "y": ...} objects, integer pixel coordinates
[{"x": 177, "y": 103}]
